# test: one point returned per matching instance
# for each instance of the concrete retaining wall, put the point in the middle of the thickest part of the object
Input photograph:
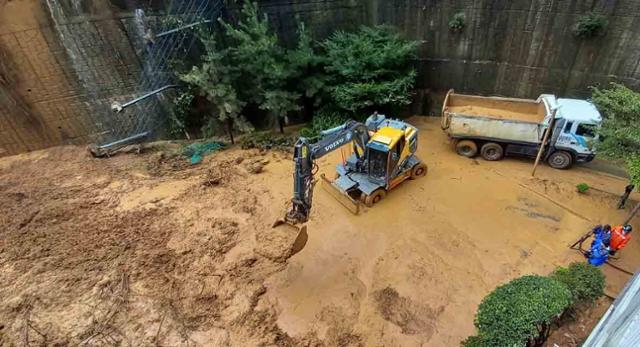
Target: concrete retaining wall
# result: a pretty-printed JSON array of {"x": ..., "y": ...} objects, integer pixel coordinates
[{"x": 62, "y": 62}]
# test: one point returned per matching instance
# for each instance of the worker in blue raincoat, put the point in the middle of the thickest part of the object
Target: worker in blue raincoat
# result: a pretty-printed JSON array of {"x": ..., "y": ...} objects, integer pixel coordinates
[{"x": 598, "y": 254}]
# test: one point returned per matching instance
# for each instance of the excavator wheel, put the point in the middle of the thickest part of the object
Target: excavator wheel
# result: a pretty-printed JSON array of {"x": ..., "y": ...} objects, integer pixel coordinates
[
  {"x": 375, "y": 197},
  {"x": 419, "y": 170}
]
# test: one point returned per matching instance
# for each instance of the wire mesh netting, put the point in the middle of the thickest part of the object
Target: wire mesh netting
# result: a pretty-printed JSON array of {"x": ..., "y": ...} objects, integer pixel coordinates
[{"x": 162, "y": 39}]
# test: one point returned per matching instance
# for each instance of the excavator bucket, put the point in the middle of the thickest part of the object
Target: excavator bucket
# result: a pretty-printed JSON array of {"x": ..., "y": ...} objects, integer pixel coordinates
[
  {"x": 342, "y": 197},
  {"x": 301, "y": 234}
]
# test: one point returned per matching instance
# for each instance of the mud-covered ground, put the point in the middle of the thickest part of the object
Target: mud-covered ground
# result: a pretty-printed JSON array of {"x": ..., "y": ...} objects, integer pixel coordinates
[{"x": 144, "y": 249}]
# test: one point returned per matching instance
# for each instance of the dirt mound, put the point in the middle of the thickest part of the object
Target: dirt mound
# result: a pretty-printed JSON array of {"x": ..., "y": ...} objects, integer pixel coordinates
[
  {"x": 163, "y": 163},
  {"x": 411, "y": 317}
]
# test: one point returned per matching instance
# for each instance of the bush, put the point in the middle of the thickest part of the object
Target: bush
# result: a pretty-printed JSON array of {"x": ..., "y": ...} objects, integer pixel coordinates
[
  {"x": 325, "y": 119},
  {"x": 520, "y": 311},
  {"x": 590, "y": 25},
  {"x": 586, "y": 282},
  {"x": 267, "y": 140},
  {"x": 473, "y": 341},
  {"x": 179, "y": 114},
  {"x": 582, "y": 187},
  {"x": 458, "y": 22},
  {"x": 369, "y": 69}
]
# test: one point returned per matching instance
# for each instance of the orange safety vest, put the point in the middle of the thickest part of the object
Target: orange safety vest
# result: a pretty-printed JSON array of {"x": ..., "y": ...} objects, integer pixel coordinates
[{"x": 618, "y": 238}]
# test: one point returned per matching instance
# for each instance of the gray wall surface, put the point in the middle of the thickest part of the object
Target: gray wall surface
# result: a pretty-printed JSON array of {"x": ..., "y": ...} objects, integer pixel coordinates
[
  {"x": 62, "y": 62},
  {"x": 518, "y": 48},
  {"x": 60, "y": 65}
]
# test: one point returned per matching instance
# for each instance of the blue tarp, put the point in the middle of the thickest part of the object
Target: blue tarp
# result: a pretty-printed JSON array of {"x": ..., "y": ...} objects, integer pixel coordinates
[{"x": 198, "y": 150}]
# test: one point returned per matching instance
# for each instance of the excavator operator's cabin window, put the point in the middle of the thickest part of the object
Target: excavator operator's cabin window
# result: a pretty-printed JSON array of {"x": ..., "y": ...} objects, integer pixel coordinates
[{"x": 378, "y": 163}]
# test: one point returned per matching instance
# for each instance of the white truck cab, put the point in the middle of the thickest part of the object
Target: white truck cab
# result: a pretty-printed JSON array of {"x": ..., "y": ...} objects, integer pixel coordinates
[{"x": 579, "y": 119}]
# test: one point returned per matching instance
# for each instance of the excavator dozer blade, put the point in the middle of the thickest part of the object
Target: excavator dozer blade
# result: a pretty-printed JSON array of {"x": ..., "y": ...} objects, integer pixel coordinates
[{"x": 342, "y": 197}]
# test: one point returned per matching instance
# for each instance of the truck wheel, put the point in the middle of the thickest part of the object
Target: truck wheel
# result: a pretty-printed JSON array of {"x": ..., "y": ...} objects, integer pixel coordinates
[
  {"x": 467, "y": 148},
  {"x": 492, "y": 151},
  {"x": 560, "y": 160},
  {"x": 418, "y": 170},
  {"x": 375, "y": 197}
]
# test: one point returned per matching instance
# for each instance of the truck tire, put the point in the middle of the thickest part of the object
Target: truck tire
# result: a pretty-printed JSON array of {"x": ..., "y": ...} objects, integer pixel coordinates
[
  {"x": 375, "y": 197},
  {"x": 467, "y": 148},
  {"x": 492, "y": 151},
  {"x": 560, "y": 160},
  {"x": 419, "y": 170}
]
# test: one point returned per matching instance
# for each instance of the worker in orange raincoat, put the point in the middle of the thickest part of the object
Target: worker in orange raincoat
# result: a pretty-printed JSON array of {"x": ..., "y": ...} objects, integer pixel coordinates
[{"x": 620, "y": 236}]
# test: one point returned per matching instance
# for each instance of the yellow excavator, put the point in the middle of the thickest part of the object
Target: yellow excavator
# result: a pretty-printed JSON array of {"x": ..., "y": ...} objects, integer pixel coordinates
[{"x": 383, "y": 156}]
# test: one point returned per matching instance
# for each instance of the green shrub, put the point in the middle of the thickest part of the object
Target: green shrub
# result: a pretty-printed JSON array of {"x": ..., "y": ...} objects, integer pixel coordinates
[
  {"x": 179, "y": 114},
  {"x": 521, "y": 311},
  {"x": 586, "y": 282},
  {"x": 582, "y": 187},
  {"x": 267, "y": 140},
  {"x": 590, "y": 25},
  {"x": 457, "y": 22},
  {"x": 325, "y": 119},
  {"x": 473, "y": 341},
  {"x": 370, "y": 69}
]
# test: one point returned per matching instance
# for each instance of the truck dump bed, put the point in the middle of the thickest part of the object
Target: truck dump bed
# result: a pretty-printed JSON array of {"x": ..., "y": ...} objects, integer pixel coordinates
[
  {"x": 496, "y": 107},
  {"x": 493, "y": 118}
]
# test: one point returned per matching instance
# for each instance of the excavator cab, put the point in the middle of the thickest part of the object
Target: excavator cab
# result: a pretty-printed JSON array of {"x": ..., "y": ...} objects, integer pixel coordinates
[{"x": 387, "y": 154}]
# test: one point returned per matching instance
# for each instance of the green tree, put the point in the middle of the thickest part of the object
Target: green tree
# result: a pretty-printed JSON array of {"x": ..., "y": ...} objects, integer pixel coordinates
[
  {"x": 585, "y": 281},
  {"x": 214, "y": 79},
  {"x": 370, "y": 68},
  {"x": 620, "y": 131},
  {"x": 307, "y": 62},
  {"x": 261, "y": 64},
  {"x": 520, "y": 312}
]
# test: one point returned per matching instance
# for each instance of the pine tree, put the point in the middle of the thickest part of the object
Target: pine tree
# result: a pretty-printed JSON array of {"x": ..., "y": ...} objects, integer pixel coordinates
[
  {"x": 370, "y": 68},
  {"x": 308, "y": 65},
  {"x": 214, "y": 79},
  {"x": 261, "y": 64}
]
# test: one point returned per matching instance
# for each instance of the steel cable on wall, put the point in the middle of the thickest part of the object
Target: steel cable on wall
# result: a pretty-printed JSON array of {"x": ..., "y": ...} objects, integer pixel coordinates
[{"x": 148, "y": 116}]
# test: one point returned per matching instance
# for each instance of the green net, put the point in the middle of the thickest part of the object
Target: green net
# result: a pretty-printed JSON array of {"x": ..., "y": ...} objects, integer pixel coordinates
[{"x": 196, "y": 151}]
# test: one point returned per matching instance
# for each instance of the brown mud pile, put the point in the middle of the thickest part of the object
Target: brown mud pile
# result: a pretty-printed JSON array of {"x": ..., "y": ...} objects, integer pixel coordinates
[
  {"x": 149, "y": 250},
  {"x": 136, "y": 250}
]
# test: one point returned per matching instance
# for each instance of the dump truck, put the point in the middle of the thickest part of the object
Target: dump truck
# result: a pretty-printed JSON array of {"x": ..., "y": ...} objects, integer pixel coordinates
[{"x": 495, "y": 127}]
